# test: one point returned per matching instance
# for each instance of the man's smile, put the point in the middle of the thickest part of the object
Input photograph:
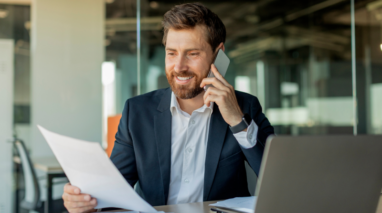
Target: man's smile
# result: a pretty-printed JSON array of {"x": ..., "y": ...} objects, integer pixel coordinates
[{"x": 183, "y": 80}]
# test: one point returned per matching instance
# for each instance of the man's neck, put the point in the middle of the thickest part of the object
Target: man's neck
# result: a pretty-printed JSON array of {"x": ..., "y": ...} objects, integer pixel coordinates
[{"x": 189, "y": 105}]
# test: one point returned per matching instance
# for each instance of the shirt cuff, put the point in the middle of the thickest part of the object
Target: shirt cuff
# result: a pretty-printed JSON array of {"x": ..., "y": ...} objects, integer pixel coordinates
[{"x": 248, "y": 139}]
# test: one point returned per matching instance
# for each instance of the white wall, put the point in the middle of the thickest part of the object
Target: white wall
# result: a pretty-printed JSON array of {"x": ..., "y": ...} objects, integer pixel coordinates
[
  {"x": 67, "y": 52},
  {"x": 6, "y": 122}
]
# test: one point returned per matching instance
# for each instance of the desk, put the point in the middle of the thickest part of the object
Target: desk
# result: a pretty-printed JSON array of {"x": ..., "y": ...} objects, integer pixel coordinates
[
  {"x": 203, "y": 207},
  {"x": 52, "y": 168},
  {"x": 46, "y": 164},
  {"x": 200, "y": 207}
]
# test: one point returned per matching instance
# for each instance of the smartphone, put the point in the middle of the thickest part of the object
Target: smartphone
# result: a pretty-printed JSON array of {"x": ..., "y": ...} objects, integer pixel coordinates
[{"x": 221, "y": 63}]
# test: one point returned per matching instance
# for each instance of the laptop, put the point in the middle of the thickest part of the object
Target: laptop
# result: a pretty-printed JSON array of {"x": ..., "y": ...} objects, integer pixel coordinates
[{"x": 317, "y": 174}]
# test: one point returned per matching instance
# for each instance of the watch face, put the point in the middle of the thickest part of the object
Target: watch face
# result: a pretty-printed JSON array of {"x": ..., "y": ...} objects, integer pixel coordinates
[{"x": 247, "y": 119}]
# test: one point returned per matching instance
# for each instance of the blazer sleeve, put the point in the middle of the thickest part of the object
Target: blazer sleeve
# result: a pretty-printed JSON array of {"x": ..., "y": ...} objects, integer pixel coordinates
[
  {"x": 255, "y": 154},
  {"x": 123, "y": 155}
]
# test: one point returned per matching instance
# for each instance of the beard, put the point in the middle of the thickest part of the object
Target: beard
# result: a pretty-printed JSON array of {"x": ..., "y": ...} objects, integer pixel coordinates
[{"x": 189, "y": 91}]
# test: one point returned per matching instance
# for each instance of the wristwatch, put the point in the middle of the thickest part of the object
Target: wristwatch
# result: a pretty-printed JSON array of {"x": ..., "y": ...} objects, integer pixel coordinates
[{"x": 246, "y": 121}]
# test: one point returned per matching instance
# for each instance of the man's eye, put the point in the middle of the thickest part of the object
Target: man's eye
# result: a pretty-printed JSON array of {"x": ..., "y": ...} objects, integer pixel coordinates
[
  {"x": 193, "y": 54},
  {"x": 170, "y": 54}
]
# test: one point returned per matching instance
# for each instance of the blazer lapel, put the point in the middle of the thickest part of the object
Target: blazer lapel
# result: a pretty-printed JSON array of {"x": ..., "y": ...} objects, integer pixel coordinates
[
  {"x": 217, "y": 132},
  {"x": 162, "y": 125}
]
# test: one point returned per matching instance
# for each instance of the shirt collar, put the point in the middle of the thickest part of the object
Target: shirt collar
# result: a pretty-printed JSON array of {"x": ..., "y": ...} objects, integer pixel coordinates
[{"x": 175, "y": 106}]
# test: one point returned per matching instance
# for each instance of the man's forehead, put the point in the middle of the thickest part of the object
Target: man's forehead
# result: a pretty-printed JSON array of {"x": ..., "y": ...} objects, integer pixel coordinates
[{"x": 187, "y": 38}]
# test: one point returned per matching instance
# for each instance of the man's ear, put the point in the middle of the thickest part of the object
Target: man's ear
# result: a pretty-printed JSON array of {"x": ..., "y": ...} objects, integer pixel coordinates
[{"x": 221, "y": 46}]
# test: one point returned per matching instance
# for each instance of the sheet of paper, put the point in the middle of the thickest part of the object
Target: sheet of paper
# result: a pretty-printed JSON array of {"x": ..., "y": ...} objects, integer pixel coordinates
[
  {"x": 88, "y": 167},
  {"x": 245, "y": 204}
]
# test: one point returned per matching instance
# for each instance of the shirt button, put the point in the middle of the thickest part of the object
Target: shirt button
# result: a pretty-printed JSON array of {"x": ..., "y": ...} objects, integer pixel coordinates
[
  {"x": 192, "y": 121},
  {"x": 189, "y": 150},
  {"x": 250, "y": 136},
  {"x": 186, "y": 181}
]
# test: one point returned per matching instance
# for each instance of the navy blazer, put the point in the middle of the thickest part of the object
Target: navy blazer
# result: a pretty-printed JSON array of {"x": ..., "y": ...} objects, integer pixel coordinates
[{"x": 142, "y": 150}]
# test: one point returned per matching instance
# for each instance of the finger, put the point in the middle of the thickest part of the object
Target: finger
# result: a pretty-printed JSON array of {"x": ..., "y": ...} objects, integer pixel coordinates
[
  {"x": 218, "y": 75},
  {"x": 215, "y": 91},
  {"x": 77, "y": 198},
  {"x": 215, "y": 82},
  {"x": 221, "y": 78},
  {"x": 81, "y": 209},
  {"x": 73, "y": 204},
  {"x": 210, "y": 98},
  {"x": 68, "y": 188}
]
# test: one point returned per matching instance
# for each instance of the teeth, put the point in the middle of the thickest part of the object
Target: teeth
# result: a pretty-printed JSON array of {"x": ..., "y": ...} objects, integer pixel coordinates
[{"x": 184, "y": 78}]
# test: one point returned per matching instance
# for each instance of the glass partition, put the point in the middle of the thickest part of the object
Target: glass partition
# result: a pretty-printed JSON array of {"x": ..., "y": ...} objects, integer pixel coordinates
[
  {"x": 368, "y": 23},
  {"x": 294, "y": 56},
  {"x": 14, "y": 57},
  {"x": 121, "y": 48}
]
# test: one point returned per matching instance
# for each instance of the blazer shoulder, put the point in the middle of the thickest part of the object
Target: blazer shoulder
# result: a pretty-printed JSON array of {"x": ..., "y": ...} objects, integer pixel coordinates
[
  {"x": 246, "y": 98},
  {"x": 148, "y": 99}
]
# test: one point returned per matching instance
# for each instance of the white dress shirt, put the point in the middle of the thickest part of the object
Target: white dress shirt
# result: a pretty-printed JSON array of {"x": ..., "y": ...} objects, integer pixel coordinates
[{"x": 189, "y": 135}]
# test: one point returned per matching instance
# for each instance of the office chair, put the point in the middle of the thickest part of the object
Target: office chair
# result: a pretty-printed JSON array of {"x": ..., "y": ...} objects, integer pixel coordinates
[{"x": 32, "y": 199}]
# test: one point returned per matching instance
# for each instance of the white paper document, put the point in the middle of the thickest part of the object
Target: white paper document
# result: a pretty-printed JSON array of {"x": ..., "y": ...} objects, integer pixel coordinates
[
  {"x": 88, "y": 167},
  {"x": 243, "y": 204}
]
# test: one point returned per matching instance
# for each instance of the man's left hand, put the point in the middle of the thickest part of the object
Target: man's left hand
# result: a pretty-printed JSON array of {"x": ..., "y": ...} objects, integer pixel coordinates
[{"x": 223, "y": 94}]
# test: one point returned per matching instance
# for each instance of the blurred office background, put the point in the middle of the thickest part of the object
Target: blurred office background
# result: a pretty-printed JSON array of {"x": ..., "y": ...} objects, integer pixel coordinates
[{"x": 69, "y": 65}]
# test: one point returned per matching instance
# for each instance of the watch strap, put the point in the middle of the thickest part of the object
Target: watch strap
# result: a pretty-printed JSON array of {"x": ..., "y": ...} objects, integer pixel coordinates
[{"x": 245, "y": 122}]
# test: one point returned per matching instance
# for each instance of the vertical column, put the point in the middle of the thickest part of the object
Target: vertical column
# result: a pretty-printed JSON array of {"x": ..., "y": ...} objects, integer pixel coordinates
[
  {"x": 261, "y": 83},
  {"x": 353, "y": 59},
  {"x": 139, "y": 46},
  {"x": 6, "y": 123},
  {"x": 67, "y": 53}
]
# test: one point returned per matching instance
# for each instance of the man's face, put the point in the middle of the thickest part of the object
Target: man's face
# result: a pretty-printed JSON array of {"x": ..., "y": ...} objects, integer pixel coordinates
[{"x": 188, "y": 61}]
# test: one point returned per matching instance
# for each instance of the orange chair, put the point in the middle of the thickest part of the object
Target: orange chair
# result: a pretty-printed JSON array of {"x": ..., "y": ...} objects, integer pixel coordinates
[{"x": 112, "y": 128}]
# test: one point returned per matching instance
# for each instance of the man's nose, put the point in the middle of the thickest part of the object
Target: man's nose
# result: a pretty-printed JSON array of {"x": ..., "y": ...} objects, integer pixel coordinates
[{"x": 180, "y": 64}]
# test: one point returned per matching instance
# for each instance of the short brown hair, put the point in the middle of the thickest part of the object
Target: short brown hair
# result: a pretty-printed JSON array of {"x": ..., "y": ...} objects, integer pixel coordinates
[{"x": 189, "y": 15}]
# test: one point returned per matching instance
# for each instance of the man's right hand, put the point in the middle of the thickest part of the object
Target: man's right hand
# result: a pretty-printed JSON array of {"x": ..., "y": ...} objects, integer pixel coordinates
[{"x": 75, "y": 202}]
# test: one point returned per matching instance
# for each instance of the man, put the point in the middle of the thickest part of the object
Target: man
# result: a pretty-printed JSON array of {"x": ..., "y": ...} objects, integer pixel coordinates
[{"x": 183, "y": 144}]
